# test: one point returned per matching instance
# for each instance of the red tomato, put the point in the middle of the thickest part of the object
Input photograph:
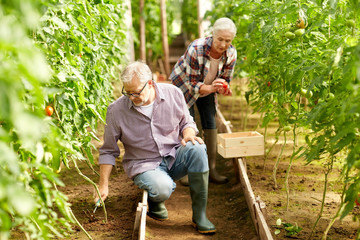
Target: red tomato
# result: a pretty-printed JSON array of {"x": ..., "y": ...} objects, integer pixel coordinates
[
  {"x": 225, "y": 86},
  {"x": 268, "y": 83},
  {"x": 357, "y": 200},
  {"x": 245, "y": 58},
  {"x": 49, "y": 110}
]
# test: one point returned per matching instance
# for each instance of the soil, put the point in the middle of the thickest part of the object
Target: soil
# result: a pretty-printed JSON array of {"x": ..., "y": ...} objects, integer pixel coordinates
[{"x": 227, "y": 207}]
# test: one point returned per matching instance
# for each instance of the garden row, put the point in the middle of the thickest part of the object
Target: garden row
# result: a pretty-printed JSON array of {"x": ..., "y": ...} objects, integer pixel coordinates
[{"x": 302, "y": 60}]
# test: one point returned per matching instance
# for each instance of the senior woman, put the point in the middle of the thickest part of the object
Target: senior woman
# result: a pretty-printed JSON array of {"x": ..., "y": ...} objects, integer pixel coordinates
[{"x": 206, "y": 69}]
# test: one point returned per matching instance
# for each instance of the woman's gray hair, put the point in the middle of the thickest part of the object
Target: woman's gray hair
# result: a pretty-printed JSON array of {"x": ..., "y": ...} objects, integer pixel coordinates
[
  {"x": 224, "y": 24},
  {"x": 138, "y": 69}
]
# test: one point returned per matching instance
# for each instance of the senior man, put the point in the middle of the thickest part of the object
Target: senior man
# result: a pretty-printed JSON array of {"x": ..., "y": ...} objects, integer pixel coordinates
[{"x": 159, "y": 136}]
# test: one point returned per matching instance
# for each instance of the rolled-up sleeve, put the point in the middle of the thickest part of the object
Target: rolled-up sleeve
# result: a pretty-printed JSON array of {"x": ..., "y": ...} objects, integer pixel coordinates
[{"x": 110, "y": 150}]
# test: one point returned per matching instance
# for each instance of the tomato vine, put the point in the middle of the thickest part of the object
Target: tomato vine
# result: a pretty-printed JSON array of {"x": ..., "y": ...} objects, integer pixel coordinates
[
  {"x": 309, "y": 51},
  {"x": 61, "y": 54}
]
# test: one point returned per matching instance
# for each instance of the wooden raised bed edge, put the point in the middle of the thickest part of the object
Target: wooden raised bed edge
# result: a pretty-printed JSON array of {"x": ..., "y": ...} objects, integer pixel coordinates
[
  {"x": 140, "y": 218},
  {"x": 256, "y": 206}
]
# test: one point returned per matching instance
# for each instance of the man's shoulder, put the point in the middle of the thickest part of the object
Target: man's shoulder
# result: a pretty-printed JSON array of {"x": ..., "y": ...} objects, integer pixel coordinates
[
  {"x": 118, "y": 103},
  {"x": 168, "y": 87}
]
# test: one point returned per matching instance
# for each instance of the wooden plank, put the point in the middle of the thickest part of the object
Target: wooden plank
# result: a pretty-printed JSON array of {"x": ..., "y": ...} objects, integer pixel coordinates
[
  {"x": 244, "y": 151},
  {"x": 240, "y": 144},
  {"x": 140, "y": 218},
  {"x": 137, "y": 221},
  {"x": 264, "y": 231},
  {"x": 145, "y": 197},
  {"x": 248, "y": 192},
  {"x": 256, "y": 206},
  {"x": 142, "y": 229},
  {"x": 240, "y": 138}
]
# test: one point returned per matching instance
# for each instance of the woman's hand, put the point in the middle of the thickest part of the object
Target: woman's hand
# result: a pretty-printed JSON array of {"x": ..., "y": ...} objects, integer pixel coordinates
[{"x": 224, "y": 88}]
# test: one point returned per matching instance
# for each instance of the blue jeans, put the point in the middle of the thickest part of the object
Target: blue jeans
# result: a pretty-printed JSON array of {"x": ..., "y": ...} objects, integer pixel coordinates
[
  {"x": 160, "y": 181},
  {"x": 207, "y": 111}
]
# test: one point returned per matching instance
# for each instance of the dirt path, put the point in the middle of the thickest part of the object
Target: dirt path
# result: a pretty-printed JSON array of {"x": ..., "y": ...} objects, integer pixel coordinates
[{"x": 227, "y": 209}]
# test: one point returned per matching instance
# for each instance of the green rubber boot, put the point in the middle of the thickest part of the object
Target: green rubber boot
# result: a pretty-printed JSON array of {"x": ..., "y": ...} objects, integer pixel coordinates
[
  {"x": 210, "y": 136},
  {"x": 157, "y": 210},
  {"x": 198, "y": 183}
]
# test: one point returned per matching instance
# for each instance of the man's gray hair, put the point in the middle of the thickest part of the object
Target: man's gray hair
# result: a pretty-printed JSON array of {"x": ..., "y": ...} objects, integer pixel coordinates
[
  {"x": 224, "y": 24},
  {"x": 139, "y": 69}
]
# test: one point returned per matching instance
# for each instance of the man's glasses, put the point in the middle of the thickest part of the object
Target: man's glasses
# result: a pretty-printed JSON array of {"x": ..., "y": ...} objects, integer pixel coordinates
[{"x": 133, "y": 94}]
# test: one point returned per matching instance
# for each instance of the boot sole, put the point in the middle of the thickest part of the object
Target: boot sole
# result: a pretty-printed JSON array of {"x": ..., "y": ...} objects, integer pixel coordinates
[
  {"x": 203, "y": 231},
  {"x": 158, "y": 219}
]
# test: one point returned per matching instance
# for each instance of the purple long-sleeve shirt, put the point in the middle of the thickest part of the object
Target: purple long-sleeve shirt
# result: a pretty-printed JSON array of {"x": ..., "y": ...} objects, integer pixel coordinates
[{"x": 146, "y": 140}]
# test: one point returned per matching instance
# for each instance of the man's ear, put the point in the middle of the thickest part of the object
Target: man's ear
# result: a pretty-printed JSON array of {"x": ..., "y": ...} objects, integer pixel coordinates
[{"x": 151, "y": 82}]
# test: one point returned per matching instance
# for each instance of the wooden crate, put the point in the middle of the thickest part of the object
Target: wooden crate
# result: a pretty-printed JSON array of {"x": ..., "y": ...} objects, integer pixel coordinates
[{"x": 240, "y": 144}]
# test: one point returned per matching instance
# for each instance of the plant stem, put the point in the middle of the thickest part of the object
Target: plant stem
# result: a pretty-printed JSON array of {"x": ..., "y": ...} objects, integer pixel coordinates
[
  {"x": 268, "y": 153},
  {"x": 95, "y": 186},
  {"x": 330, "y": 166},
  {"x": 338, "y": 212},
  {"x": 78, "y": 223},
  {"x": 278, "y": 160},
  {"x": 293, "y": 154},
  {"x": 75, "y": 219},
  {"x": 287, "y": 180}
]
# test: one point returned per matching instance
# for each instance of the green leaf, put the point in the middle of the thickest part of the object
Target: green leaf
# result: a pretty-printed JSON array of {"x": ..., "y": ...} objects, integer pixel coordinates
[
  {"x": 96, "y": 113},
  {"x": 60, "y": 23},
  {"x": 22, "y": 201}
]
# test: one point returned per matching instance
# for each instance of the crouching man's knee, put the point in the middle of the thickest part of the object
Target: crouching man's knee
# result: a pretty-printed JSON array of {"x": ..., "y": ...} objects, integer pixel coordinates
[
  {"x": 161, "y": 190},
  {"x": 197, "y": 157}
]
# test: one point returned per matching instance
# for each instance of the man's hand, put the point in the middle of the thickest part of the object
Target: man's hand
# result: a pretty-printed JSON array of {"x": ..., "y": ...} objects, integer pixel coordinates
[
  {"x": 105, "y": 171},
  {"x": 192, "y": 139},
  {"x": 189, "y": 135},
  {"x": 104, "y": 192}
]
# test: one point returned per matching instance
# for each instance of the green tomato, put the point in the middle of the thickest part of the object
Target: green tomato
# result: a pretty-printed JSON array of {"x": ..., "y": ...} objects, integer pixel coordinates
[
  {"x": 291, "y": 27},
  {"x": 299, "y": 32},
  {"x": 287, "y": 128},
  {"x": 309, "y": 94},
  {"x": 350, "y": 23},
  {"x": 290, "y": 35},
  {"x": 303, "y": 92},
  {"x": 330, "y": 96}
]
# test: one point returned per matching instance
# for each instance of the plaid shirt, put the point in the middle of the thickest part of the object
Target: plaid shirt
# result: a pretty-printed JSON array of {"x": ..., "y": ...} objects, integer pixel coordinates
[{"x": 190, "y": 70}]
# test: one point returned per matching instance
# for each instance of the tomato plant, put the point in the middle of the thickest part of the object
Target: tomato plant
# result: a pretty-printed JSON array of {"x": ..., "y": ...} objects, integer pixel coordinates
[
  {"x": 65, "y": 54},
  {"x": 323, "y": 61}
]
